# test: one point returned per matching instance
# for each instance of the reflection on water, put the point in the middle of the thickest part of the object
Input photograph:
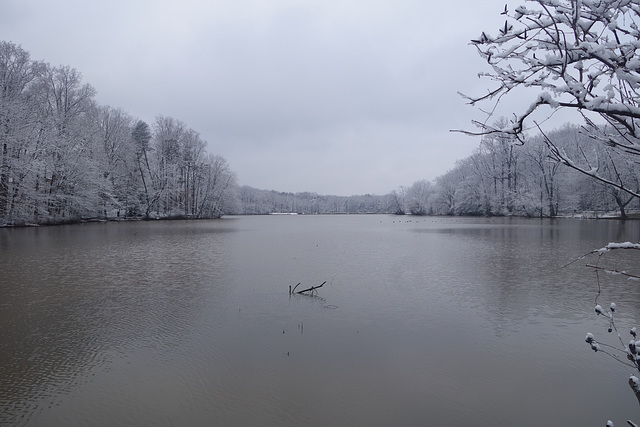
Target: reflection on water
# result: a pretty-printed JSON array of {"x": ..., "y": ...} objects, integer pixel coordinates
[{"x": 450, "y": 321}]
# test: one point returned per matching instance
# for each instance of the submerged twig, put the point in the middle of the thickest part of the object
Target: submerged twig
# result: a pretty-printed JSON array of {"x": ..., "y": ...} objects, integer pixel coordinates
[
  {"x": 311, "y": 289},
  {"x": 294, "y": 288}
]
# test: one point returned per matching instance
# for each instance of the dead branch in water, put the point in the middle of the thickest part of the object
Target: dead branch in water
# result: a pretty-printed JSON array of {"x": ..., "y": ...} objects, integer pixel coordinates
[
  {"x": 311, "y": 289},
  {"x": 294, "y": 288}
]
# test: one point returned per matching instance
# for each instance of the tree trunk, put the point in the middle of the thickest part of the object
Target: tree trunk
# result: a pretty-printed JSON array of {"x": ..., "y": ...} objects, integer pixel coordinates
[
  {"x": 4, "y": 180},
  {"x": 621, "y": 204},
  {"x": 635, "y": 386}
]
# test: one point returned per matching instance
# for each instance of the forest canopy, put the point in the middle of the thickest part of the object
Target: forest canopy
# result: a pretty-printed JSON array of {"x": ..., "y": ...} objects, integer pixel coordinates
[{"x": 64, "y": 157}]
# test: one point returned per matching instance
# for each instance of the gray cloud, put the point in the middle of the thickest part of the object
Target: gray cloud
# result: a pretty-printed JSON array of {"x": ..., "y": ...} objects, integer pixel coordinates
[{"x": 333, "y": 97}]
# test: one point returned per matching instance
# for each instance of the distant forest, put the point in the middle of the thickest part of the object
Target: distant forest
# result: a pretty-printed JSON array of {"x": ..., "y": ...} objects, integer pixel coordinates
[
  {"x": 65, "y": 158},
  {"x": 502, "y": 177},
  {"x": 507, "y": 177}
]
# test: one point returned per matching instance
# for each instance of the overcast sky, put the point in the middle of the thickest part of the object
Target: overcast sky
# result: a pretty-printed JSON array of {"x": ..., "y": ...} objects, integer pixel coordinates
[{"x": 335, "y": 97}]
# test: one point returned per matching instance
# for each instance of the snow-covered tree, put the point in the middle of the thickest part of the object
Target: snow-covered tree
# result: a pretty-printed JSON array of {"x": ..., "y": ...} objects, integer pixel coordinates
[
  {"x": 398, "y": 201},
  {"x": 18, "y": 116},
  {"x": 117, "y": 159},
  {"x": 63, "y": 157},
  {"x": 576, "y": 55},
  {"x": 501, "y": 167},
  {"x": 216, "y": 183},
  {"x": 69, "y": 182},
  {"x": 141, "y": 135},
  {"x": 418, "y": 197},
  {"x": 546, "y": 173}
]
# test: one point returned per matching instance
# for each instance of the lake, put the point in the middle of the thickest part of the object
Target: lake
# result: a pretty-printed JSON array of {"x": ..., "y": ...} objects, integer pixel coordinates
[{"x": 422, "y": 321}]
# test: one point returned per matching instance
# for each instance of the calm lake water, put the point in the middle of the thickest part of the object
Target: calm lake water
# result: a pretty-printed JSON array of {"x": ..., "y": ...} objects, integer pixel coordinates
[{"x": 422, "y": 322}]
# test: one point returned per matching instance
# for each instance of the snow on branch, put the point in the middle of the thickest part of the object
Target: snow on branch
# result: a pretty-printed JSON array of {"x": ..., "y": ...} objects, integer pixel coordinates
[
  {"x": 581, "y": 55},
  {"x": 613, "y": 246}
]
